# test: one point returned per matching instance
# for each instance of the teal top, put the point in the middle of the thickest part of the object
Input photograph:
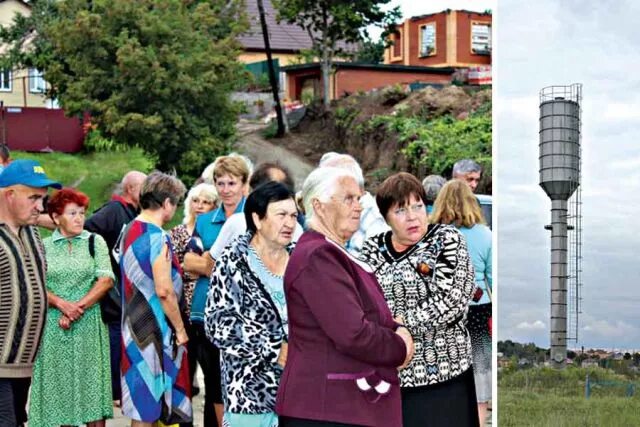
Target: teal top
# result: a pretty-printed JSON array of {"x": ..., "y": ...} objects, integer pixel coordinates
[
  {"x": 205, "y": 233},
  {"x": 479, "y": 245},
  {"x": 273, "y": 284}
]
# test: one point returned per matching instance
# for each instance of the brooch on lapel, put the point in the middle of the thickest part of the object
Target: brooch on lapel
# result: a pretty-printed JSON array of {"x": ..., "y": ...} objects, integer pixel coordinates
[{"x": 423, "y": 268}]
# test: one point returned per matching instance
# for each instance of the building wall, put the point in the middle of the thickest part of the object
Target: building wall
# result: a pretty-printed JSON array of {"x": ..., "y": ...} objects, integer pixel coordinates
[
  {"x": 8, "y": 9},
  {"x": 413, "y": 39},
  {"x": 453, "y": 41},
  {"x": 465, "y": 55},
  {"x": 352, "y": 81},
  {"x": 19, "y": 95},
  {"x": 285, "y": 58}
]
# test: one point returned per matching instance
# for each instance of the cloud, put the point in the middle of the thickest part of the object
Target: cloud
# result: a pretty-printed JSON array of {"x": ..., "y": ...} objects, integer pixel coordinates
[{"x": 535, "y": 326}]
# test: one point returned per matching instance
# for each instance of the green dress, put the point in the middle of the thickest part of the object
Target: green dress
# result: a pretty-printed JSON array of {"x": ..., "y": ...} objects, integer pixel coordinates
[{"x": 71, "y": 382}]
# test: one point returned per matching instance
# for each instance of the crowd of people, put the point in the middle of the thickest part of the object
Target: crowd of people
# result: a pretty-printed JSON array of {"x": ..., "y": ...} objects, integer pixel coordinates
[{"x": 330, "y": 307}]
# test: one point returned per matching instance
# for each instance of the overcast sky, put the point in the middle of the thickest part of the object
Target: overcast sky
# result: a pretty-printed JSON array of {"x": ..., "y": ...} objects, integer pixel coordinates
[{"x": 550, "y": 42}]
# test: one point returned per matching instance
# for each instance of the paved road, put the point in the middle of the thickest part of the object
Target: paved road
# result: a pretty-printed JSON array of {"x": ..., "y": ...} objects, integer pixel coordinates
[{"x": 258, "y": 149}]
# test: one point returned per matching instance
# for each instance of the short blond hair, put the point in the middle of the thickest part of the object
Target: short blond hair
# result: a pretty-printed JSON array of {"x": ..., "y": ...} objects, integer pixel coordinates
[
  {"x": 457, "y": 205},
  {"x": 231, "y": 165}
]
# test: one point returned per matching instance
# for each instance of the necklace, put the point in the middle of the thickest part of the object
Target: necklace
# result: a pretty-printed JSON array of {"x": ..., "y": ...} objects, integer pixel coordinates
[{"x": 274, "y": 264}]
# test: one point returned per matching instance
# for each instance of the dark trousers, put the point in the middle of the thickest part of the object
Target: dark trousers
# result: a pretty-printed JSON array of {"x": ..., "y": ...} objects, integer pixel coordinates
[
  {"x": 209, "y": 359},
  {"x": 14, "y": 393},
  {"x": 115, "y": 352}
]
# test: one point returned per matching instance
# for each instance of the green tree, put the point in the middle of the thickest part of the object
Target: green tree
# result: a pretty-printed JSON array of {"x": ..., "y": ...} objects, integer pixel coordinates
[
  {"x": 330, "y": 22},
  {"x": 150, "y": 73},
  {"x": 371, "y": 52}
]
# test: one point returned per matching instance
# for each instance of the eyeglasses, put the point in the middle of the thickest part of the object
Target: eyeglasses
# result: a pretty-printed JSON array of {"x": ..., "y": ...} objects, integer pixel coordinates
[{"x": 415, "y": 209}]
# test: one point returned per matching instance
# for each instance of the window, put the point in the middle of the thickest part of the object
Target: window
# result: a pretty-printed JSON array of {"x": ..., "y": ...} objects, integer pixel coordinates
[
  {"x": 397, "y": 45},
  {"x": 5, "y": 80},
  {"x": 36, "y": 81},
  {"x": 428, "y": 39},
  {"x": 481, "y": 38}
]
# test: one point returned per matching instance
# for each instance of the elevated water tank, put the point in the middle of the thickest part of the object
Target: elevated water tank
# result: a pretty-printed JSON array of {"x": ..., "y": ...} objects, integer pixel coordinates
[{"x": 559, "y": 145}]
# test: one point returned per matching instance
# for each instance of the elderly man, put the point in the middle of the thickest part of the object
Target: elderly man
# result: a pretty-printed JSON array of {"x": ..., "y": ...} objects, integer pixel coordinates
[
  {"x": 468, "y": 171},
  {"x": 108, "y": 221},
  {"x": 371, "y": 222},
  {"x": 23, "y": 296}
]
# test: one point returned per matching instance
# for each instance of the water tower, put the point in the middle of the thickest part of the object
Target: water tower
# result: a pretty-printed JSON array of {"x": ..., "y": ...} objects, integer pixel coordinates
[{"x": 560, "y": 166}]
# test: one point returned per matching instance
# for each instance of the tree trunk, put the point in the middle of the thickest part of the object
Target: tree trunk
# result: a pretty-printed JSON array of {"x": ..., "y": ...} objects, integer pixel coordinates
[{"x": 326, "y": 70}]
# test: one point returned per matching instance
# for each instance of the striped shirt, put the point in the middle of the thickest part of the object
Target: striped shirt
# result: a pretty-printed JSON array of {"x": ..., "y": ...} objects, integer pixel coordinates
[{"x": 23, "y": 300}]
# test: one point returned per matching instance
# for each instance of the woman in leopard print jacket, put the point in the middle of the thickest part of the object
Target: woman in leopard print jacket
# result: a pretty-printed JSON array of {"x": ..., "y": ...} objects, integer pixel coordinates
[{"x": 246, "y": 315}]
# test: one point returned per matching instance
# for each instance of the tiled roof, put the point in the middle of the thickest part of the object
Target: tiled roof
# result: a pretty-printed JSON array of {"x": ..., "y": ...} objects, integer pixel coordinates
[{"x": 282, "y": 36}]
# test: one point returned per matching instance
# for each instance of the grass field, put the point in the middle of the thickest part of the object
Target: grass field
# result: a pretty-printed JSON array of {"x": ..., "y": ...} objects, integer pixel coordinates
[
  {"x": 545, "y": 397},
  {"x": 96, "y": 174}
]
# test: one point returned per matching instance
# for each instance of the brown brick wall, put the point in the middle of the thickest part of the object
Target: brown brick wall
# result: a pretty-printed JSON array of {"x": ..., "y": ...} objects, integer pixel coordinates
[
  {"x": 464, "y": 39},
  {"x": 351, "y": 81},
  {"x": 440, "y": 58}
]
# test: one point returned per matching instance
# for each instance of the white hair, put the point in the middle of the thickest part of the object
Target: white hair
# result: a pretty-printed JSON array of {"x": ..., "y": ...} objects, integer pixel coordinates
[
  {"x": 203, "y": 190},
  {"x": 207, "y": 173},
  {"x": 343, "y": 161},
  {"x": 321, "y": 184}
]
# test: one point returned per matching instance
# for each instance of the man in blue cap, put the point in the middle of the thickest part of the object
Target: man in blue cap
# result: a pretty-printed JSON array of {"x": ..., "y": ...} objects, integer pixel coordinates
[{"x": 23, "y": 296}]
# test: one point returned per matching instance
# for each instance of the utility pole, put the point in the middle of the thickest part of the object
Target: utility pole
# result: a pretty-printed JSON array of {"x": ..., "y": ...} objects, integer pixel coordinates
[{"x": 272, "y": 73}]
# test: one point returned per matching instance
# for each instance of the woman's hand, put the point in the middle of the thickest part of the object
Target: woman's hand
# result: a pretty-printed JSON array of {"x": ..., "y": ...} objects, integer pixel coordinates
[
  {"x": 181, "y": 336},
  {"x": 284, "y": 351},
  {"x": 71, "y": 310},
  {"x": 64, "y": 322},
  {"x": 408, "y": 342}
]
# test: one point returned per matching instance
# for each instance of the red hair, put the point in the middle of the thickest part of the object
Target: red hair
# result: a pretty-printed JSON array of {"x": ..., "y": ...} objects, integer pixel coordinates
[{"x": 62, "y": 198}]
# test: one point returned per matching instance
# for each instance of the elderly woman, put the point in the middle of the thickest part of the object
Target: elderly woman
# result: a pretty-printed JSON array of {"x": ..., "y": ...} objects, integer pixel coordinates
[
  {"x": 344, "y": 346},
  {"x": 246, "y": 310},
  {"x": 456, "y": 205},
  {"x": 201, "y": 199},
  {"x": 72, "y": 378},
  {"x": 427, "y": 278},
  {"x": 155, "y": 371}
]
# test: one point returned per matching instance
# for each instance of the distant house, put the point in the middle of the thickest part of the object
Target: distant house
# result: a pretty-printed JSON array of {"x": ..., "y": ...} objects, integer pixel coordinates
[
  {"x": 452, "y": 38},
  {"x": 349, "y": 78},
  {"x": 590, "y": 363},
  {"x": 19, "y": 87},
  {"x": 287, "y": 41}
]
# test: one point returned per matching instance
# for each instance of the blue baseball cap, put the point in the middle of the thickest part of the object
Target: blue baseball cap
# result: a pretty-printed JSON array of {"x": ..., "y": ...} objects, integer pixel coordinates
[{"x": 26, "y": 172}]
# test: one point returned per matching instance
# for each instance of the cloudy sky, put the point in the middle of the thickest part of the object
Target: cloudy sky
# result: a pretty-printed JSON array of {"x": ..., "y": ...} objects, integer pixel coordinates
[{"x": 550, "y": 42}]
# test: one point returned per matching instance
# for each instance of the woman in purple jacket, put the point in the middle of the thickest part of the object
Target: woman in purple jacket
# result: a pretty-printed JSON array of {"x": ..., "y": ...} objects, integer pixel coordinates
[{"x": 344, "y": 346}]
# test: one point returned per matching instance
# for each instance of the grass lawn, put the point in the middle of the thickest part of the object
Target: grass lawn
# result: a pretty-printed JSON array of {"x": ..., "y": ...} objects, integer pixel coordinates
[
  {"x": 528, "y": 409},
  {"x": 545, "y": 397},
  {"x": 95, "y": 174}
]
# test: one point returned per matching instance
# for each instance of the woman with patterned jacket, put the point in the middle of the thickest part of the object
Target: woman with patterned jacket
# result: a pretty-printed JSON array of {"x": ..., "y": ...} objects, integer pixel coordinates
[
  {"x": 246, "y": 313},
  {"x": 427, "y": 277}
]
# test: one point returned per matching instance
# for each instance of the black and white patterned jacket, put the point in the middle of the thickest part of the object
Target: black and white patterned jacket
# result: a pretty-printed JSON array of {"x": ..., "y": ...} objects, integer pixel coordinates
[
  {"x": 430, "y": 286},
  {"x": 243, "y": 322}
]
